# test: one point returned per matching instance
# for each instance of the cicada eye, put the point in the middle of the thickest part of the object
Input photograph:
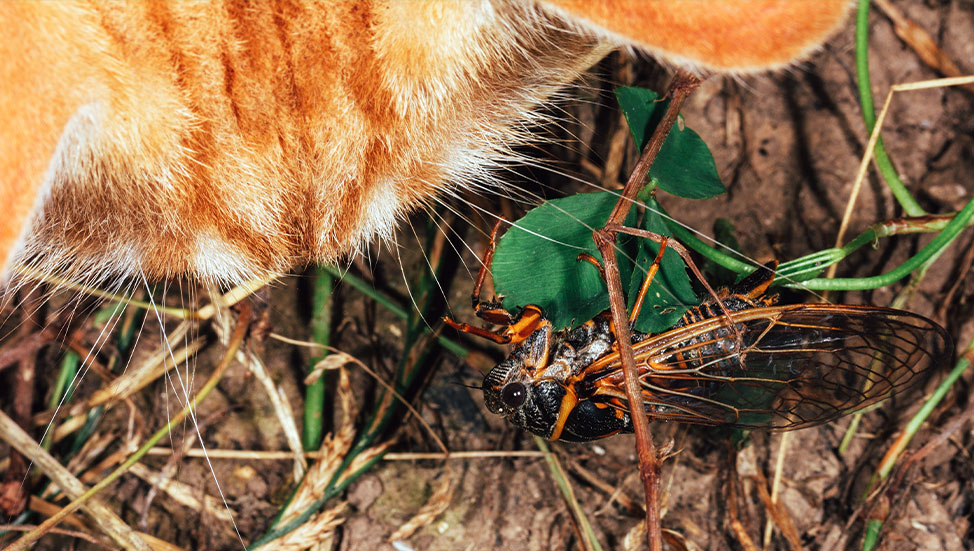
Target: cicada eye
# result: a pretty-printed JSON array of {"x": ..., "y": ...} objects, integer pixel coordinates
[{"x": 514, "y": 394}]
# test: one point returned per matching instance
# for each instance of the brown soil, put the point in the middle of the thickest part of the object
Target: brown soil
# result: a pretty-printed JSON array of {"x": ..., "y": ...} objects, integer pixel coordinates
[{"x": 787, "y": 147}]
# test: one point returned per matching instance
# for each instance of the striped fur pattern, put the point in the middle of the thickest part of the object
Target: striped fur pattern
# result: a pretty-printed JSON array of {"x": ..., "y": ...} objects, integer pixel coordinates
[{"x": 229, "y": 140}]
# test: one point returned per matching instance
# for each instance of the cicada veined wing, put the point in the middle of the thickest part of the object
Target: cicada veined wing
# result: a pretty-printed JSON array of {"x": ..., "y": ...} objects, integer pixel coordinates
[{"x": 783, "y": 368}]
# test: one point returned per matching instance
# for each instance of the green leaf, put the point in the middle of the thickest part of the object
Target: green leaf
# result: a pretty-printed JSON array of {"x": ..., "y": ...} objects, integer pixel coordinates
[
  {"x": 670, "y": 294},
  {"x": 536, "y": 263},
  {"x": 536, "y": 259},
  {"x": 684, "y": 165}
]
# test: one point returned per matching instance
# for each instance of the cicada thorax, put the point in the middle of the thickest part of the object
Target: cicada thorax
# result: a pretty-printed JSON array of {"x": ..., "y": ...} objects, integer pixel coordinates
[
  {"x": 717, "y": 350},
  {"x": 750, "y": 292},
  {"x": 714, "y": 350}
]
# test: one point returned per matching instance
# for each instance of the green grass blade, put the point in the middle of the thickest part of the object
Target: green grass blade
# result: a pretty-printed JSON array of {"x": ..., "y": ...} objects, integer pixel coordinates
[{"x": 886, "y": 169}]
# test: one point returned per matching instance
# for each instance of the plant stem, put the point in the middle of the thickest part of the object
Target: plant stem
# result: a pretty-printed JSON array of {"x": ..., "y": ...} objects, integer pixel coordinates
[
  {"x": 883, "y": 162},
  {"x": 680, "y": 88},
  {"x": 314, "y": 394},
  {"x": 944, "y": 238},
  {"x": 368, "y": 290}
]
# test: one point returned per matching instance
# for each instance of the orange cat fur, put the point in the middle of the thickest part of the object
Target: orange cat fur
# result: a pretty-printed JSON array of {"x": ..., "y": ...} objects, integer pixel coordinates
[{"x": 224, "y": 140}]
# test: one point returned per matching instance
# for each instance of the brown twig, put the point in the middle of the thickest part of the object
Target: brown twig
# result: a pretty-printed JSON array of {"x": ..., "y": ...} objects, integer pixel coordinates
[{"x": 649, "y": 463}]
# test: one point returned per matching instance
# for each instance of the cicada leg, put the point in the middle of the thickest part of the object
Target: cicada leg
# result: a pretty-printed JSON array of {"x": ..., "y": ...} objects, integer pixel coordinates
[
  {"x": 685, "y": 254},
  {"x": 650, "y": 274},
  {"x": 515, "y": 328},
  {"x": 484, "y": 266}
]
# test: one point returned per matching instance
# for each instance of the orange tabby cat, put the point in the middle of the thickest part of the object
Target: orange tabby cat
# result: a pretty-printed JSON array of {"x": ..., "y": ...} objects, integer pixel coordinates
[{"x": 227, "y": 140}]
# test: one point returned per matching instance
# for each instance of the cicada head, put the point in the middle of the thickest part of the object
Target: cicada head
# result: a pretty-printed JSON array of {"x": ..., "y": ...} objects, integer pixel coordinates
[
  {"x": 511, "y": 390},
  {"x": 533, "y": 406}
]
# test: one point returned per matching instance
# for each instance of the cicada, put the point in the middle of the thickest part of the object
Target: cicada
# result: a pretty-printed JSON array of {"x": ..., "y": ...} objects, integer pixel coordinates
[{"x": 741, "y": 362}]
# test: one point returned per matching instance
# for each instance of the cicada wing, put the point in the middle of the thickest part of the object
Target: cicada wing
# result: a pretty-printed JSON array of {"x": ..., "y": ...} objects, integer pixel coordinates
[{"x": 787, "y": 367}]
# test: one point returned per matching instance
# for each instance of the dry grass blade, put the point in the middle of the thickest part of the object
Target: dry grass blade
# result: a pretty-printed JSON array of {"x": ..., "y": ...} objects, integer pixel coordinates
[
  {"x": 616, "y": 494},
  {"x": 586, "y": 535},
  {"x": 184, "y": 494},
  {"x": 437, "y": 503},
  {"x": 139, "y": 376},
  {"x": 94, "y": 448},
  {"x": 233, "y": 296},
  {"x": 920, "y": 41},
  {"x": 779, "y": 464},
  {"x": 282, "y": 408},
  {"x": 104, "y": 517},
  {"x": 61, "y": 531},
  {"x": 46, "y": 508},
  {"x": 778, "y": 513},
  {"x": 733, "y": 506},
  {"x": 333, "y": 360},
  {"x": 154, "y": 542}
]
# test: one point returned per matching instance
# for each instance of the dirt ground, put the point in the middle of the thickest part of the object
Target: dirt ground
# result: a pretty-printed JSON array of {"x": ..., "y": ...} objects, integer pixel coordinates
[{"x": 787, "y": 146}]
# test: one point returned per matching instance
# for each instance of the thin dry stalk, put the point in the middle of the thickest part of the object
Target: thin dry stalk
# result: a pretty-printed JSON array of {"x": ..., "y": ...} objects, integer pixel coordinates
[
  {"x": 392, "y": 394},
  {"x": 779, "y": 465},
  {"x": 184, "y": 494},
  {"x": 680, "y": 88},
  {"x": 867, "y": 157},
  {"x": 777, "y": 513},
  {"x": 282, "y": 409},
  {"x": 104, "y": 517},
  {"x": 265, "y": 455},
  {"x": 333, "y": 450}
]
